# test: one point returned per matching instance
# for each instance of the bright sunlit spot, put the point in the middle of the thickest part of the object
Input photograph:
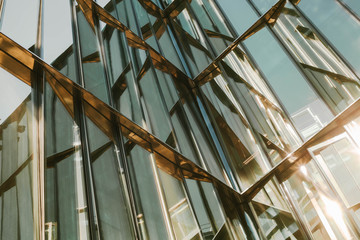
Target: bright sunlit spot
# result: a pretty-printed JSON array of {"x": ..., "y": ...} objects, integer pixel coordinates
[
  {"x": 335, "y": 212},
  {"x": 354, "y": 130},
  {"x": 304, "y": 170},
  {"x": 76, "y": 139}
]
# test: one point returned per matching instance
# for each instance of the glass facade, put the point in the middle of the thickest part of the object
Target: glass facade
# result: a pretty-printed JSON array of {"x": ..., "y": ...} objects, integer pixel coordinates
[{"x": 174, "y": 119}]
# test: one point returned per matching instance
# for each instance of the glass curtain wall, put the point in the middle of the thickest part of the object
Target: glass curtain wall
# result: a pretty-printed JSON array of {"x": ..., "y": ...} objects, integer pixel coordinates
[{"x": 138, "y": 119}]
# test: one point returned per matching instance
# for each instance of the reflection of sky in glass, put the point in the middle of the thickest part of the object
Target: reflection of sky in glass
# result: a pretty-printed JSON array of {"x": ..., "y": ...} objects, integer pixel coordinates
[
  {"x": 353, "y": 4},
  {"x": 239, "y": 13},
  {"x": 19, "y": 21},
  {"x": 338, "y": 26},
  {"x": 57, "y": 28},
  {"x": 282, "y": 74},
  {"x": 12, "y": 94},
  {"x": 102, "y": 3},
  {"x": 264, "y": 5},
  {"x": 287, "y": 82}
]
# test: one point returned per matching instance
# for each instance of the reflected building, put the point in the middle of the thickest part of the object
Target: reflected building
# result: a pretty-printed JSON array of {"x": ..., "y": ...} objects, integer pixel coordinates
[{"x": 203, "y": 119}]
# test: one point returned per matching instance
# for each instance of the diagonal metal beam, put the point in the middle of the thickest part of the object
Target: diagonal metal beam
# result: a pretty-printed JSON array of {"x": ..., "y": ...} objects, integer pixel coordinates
[
  {"x": 337, "y": 77},
  {"x": 171, "y": 11},
  {"x": 265, "y": 101},
  {"x": 269, "y": 17},
  {"x": 213, "y": 34},
  {"x": 175, "y": 8},
  {"x": 152, "y": 8},
  {"x": 293, "y": 161},
  {"x": 159, "y": 62},
  {"x": 103, "y": 116},
  {"x": 86, "y": 7},
  {"x": 11, "y": 180}
]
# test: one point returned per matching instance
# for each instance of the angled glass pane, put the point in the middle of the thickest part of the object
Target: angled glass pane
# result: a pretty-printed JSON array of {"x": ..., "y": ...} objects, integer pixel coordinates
[
  {"x": 57, "y": 31},
  {"x": 180, "y": 211},
  {"x": 326, "y": 71},
  {"x": 274, "y": 215},
  {"x": 353, "y": 5},
  {"x": 66, "y": 209},
  {"x": 342, "y": 31},
  {"x": 151, "y": 211},
  {"x": 112, "y": 206},
  {"x": 91, "y": 56},
  {"x": 16, "y": 147},
  {"x": 324, "y": 215},
  {"x": 19, "y": 21}
]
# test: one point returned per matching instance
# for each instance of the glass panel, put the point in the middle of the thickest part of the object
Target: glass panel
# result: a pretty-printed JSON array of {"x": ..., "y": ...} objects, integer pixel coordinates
[
  {"x": 156, "y": 112},
  {"x": 300, "y": 99},
  {"x": 324, "y": 69},
  {"x": 207, "y": 207},
  {"x": 20, "y": 21},
  {"x": 149, "y": 204},
  {"x": 324, "y": 215},
  {"x": 211, "y": 20},
  {"x": 343, "y": 31},
  {"x": 342, "y": 160},
  {"x": 239, "y": 13},
  {"x": 209, "y": 157},
  {"x": 207, "y": 146},
  {"x": 16, "y": 209},
  {"x": 124, "y": 65},
  {"x": 246, "y": 158},
  {"x": 57, "y": 31},
  {"x": 92, "y": 62},
  {"x": 192, "y": 42},
  {"x": 242, "y": 83},
  {"x": 103, "y": 3},
  {"x": 112, "y": 206},
  {"x": 126, "y": 15},
  {"x": 352, "y": 4},
  {"x": 274, "y": 215},
  {"x": 339, "y": 160},
  {"x": 66, "y": 204},
  {"x": 182, "y": 219}
]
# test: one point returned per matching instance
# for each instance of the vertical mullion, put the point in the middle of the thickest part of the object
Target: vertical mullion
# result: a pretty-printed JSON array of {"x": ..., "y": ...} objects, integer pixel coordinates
[
  {"x": 124, "y": 172},
  {"x": 90, "y": 196},
  {"x": 162, "y": 98},
  {"x": 37, "y": 97},
  {"x": 2, "y": 5},
  {"x": 158, "y": 184},
  {"x": 196, "y": 97},
  {"x": 38, "y": 166},
  {"x": 121, "y": 163},
  {"x": 79, "y": 119}
]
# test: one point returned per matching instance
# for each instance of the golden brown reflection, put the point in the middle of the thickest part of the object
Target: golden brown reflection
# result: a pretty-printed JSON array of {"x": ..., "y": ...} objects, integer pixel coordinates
[
  {"x": 20, "y": 62},
  {"x": 103, "y": 116}
]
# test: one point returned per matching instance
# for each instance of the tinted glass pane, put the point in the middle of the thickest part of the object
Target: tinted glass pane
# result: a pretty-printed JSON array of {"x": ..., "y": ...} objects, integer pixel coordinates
[
  {"x": 66, "y": 204},
  {"x": 16, "y": 157}
]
